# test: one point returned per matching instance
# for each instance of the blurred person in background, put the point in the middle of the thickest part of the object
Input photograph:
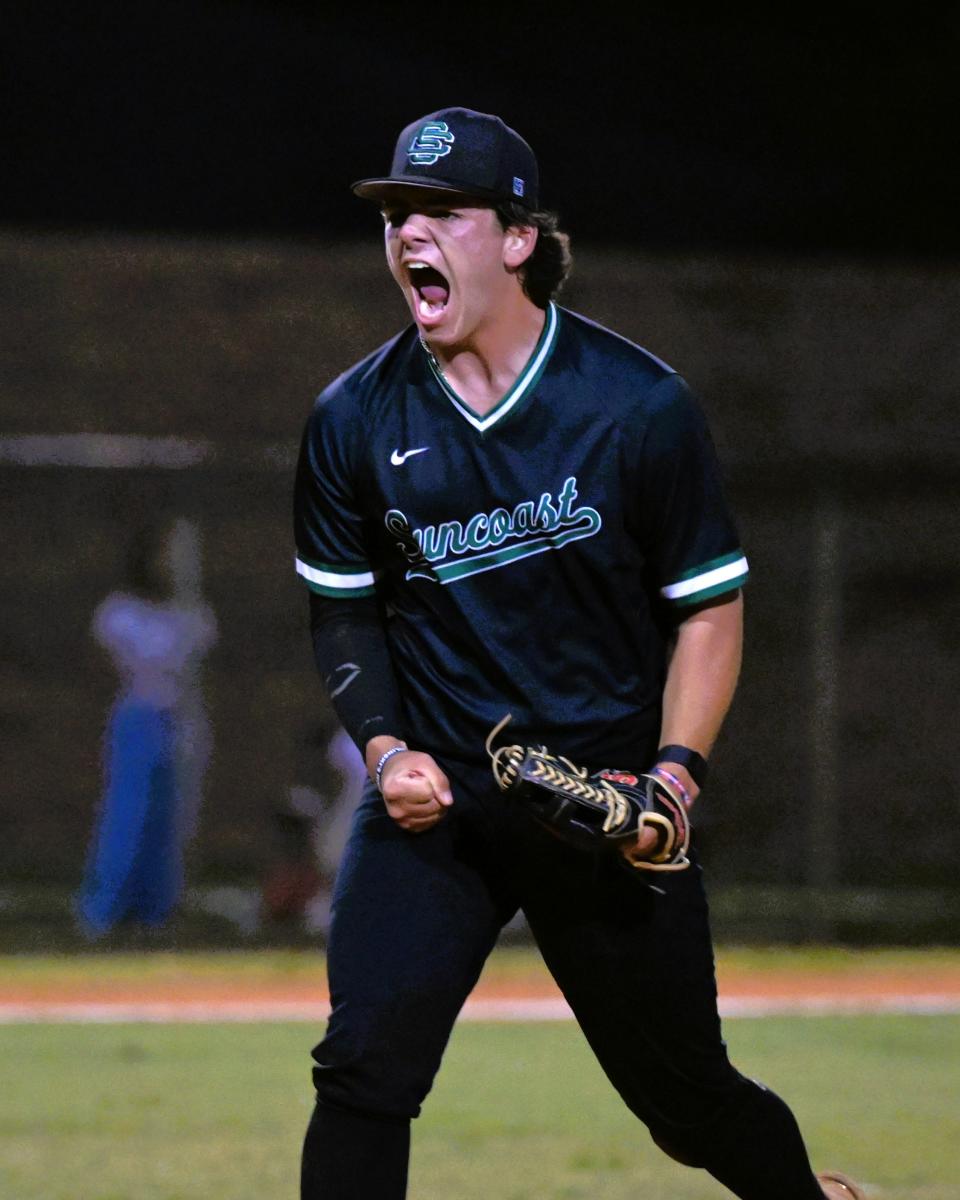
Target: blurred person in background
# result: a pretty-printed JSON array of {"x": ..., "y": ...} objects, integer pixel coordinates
[
  {"x": 310, "y": 830},
  {"x": 156, "y": 630}
]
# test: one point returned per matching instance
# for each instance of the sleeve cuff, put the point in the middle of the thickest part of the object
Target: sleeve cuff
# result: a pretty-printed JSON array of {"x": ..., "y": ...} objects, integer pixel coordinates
[
  {"x": 337, "y": 581},
  {"x": 712, "y": 578}
]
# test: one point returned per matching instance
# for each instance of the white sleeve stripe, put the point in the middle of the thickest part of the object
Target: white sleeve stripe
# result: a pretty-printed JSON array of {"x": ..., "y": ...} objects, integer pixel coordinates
[
  {"x": 358, "y": 579},
  {"x": 709, "y": 579}
]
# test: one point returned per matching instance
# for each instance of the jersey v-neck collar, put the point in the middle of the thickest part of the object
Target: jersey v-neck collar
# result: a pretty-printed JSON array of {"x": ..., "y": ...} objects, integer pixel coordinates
[{"x": 523, "y": 386}]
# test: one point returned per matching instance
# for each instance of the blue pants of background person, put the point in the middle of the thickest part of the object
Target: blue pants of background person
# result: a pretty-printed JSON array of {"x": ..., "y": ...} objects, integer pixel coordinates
[
  {"x": 414, "y": 918},
  {"x": 135, "y": 868}
]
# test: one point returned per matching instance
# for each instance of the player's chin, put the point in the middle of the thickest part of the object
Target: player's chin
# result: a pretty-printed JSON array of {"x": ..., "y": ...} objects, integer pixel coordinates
[{"x": 437, "y": 330}]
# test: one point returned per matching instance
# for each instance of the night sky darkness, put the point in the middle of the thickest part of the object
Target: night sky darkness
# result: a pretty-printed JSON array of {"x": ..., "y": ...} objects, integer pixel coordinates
[{"x": 805, "y": 134}]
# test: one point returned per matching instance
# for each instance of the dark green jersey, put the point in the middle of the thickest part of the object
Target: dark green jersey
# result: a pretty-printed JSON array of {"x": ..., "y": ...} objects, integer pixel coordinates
[{"x": 530, "y": 561}]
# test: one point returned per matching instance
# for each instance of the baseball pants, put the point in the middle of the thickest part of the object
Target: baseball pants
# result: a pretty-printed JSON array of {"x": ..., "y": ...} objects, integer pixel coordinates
[{"x": 414, "y": 919}]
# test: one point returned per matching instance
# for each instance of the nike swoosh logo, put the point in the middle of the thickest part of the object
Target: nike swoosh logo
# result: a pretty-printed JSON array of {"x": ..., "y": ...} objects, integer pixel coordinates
[
  {"x": 399, "y": 459},
  {"x": 354, "y": 672}
]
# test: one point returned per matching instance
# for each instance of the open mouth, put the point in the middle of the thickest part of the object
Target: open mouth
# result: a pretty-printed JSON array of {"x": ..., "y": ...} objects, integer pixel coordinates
[{"x": 431, "y": 288}]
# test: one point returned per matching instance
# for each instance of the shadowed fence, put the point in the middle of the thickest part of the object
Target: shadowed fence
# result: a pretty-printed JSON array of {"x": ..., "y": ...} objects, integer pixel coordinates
[{"x": 156, "y": 379}]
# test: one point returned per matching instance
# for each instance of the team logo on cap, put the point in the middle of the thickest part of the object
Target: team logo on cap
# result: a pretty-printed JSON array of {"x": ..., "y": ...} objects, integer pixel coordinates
[{"x": 432, "y": 142}]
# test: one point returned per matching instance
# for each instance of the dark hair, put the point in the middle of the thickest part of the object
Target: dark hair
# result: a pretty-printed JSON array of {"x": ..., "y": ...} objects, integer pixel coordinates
[{"x": 544, "y": 272}]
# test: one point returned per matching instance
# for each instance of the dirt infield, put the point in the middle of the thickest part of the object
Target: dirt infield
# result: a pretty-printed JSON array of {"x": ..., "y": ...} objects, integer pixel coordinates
[{"x": 513, "y": 994}]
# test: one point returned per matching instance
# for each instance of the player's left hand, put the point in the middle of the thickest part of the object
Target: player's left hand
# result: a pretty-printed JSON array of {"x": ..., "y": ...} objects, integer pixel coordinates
[
  {"x": 640, "y": 816},
  {"x": 647, "y": 839}
]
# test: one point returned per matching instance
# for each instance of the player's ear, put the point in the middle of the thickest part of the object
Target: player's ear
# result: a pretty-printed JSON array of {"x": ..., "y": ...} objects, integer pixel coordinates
[{"x": 518, "y": 244}]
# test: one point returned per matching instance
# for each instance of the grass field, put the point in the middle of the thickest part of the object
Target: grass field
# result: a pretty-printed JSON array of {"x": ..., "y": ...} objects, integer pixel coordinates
[
  {"x": 508, "y": 963},
  {"x": 519, "y": 1112}
]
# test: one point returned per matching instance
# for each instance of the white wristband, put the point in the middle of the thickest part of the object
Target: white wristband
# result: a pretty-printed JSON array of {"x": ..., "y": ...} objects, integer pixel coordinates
[{"x": 382, "y": 762}]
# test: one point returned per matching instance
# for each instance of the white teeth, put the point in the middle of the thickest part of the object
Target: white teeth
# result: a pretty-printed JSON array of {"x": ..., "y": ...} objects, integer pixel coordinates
[{"x": 428, "y": 308}]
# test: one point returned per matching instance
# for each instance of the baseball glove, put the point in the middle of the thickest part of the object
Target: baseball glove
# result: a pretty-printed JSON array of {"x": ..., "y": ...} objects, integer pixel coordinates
[{"x": 606, "y": 810}]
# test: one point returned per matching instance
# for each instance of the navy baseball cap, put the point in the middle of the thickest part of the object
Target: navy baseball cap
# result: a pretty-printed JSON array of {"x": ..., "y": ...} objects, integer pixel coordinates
[{"x": 459, "y": 150}]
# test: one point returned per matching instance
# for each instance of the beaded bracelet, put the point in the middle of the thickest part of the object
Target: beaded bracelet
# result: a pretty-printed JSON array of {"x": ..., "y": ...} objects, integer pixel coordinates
[
  {"x": 671, "y": 778},
  {"x": 382, "y": 761}
]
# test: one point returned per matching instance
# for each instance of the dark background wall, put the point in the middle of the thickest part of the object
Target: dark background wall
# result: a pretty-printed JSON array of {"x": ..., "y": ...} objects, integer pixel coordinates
[
  {"x": 831, "y": 389},
  {"x": 767, "y": 204}
]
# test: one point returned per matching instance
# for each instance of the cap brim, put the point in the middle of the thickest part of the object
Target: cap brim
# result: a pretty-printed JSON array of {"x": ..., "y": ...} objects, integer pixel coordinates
[{"x": 375, "y": 189}]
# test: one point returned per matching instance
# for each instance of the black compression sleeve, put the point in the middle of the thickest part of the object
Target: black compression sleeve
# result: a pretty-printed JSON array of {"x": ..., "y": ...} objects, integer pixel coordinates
[{"x": 351, "y": 654}]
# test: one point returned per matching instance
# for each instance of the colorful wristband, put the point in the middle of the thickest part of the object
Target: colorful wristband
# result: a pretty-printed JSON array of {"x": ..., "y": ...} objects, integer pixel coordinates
[
  {"x": 670, "y": 778},
  {"x": 383, "y": 760},
  {"x": 695, "y": 763}
]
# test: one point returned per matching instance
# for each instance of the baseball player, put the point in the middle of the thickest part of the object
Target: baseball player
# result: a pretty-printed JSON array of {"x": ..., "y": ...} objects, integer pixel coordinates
[{"x": 508, "y": 509}]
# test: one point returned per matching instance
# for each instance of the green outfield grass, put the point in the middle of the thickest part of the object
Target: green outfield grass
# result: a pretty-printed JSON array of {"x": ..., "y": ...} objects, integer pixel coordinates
[
  {"x": 507, "y": 963},
  {"x": 520, "y": 1112}
]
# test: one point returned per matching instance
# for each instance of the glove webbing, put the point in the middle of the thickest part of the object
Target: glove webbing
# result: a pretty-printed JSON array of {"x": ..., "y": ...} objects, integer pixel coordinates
[
  {"x": 604, "y": 796},
  {"x": 506, "y": 769}
]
